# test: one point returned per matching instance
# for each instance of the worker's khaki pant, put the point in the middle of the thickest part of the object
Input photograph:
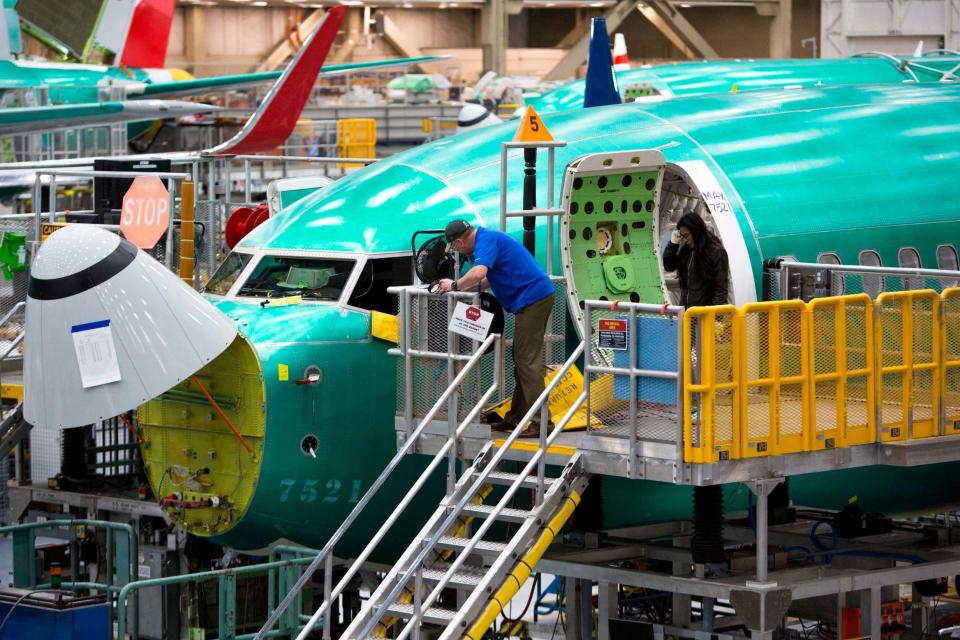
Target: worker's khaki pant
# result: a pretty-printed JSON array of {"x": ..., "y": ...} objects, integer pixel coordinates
[{"x": 529, "y": 330}]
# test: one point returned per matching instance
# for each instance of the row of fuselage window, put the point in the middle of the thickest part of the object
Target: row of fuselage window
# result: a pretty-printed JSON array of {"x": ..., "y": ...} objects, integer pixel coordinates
[{"x": 907, "y": 257}]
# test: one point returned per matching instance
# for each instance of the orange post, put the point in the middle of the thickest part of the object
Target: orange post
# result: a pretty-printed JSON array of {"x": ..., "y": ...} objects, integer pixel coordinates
[{"x": 186, "y": 232}]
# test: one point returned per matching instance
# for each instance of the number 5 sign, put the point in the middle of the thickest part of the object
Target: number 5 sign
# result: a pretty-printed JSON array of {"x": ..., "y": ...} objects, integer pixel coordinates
[
  {"x": 532, "y": 128},
  {"x": 146, "y": 211}
]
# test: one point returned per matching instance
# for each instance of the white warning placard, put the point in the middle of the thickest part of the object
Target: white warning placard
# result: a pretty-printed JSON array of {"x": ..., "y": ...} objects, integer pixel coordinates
[
  {"x": 96, "y": 355},
  {"x": 470, "y": 321}
]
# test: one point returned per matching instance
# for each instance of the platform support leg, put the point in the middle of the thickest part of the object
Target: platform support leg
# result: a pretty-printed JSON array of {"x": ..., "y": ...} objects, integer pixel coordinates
[
  {"x": 681, "y": 601},
  {"x": 579, "y": 609},
  {"x": 606, "y": 609},
  {"x": 761, "y": 489}
]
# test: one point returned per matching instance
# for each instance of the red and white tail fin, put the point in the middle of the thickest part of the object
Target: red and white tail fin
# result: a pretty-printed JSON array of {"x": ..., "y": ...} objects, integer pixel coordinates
[
  {"x": 277, "y": 115},
  {"x": 148, "y": 35},
  {"x": 620, "y": 59},
  {"x": 136, "y": 31}
]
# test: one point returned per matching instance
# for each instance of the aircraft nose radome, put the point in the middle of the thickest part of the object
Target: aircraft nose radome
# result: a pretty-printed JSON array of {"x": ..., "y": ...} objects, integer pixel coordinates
[
  {"x": 72, "y": 250},
  {"x": 108, "y": 328}
]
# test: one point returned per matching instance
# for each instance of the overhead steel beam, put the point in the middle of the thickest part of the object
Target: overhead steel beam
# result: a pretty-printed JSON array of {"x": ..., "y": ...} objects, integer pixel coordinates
[
  {"x": 577, "y": 54},
  {"x": 400, "y": 42},
  {"x": 354, "y": 29},
  {"x": 671, "y": 23},
  {"x": 279, "y": 54}
]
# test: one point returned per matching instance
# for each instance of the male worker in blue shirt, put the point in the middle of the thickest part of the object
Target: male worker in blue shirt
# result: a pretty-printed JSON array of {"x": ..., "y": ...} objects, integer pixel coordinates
[{"x": 522, "y": 288}]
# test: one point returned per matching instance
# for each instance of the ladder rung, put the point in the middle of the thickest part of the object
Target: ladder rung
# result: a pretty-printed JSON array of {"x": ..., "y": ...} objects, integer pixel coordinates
[
  {"x": 433, "y": 615},
  {"x": 466, "y": 577},
  {"x": 506, "y": 479},
  {"x": 506, "y": 514},
  {"x": 483, "y": 548}
]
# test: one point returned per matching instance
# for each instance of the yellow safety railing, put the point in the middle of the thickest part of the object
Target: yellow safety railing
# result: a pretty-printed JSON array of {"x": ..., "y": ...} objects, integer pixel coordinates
[
  {"x": 782, "y": 377},
  {"x": 356, "y": 138},
  {"x": 711, "y": 394},
  {"x": 774, "y": 399},
  {"x": 909, "y": 361},
  {"x": 950, "y": 316},
  {"x": 842, "y": 405}
]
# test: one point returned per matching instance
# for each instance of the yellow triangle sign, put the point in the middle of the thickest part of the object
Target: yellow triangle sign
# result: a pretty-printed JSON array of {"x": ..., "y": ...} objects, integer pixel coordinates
[{"x": 532, "y": 128}]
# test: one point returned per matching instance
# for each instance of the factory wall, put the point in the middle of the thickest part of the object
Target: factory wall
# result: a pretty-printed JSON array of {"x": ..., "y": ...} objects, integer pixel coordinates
[{"x": 538, "y": 37}]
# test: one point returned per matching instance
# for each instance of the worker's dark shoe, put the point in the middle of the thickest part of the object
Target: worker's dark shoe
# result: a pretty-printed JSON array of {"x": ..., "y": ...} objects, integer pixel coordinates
[
  {"x": 533, "y": 430},
  {"x": 490, "y": 418},
  {"x": 503, "y": 426}
]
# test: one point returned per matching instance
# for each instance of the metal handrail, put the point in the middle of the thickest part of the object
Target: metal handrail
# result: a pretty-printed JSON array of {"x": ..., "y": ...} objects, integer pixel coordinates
[
  {"x": 326, "y": 552},
  {"x": 108, "y": 587},
  {"x": 454, "y": 512},
  {"x": 13, "y": 309},
  {"x": 633, "y": 372}
]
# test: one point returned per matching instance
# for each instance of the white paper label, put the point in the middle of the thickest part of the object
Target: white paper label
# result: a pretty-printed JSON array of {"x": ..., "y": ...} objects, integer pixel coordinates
[
  {"x": 96, "y": 355},
  {"x": 471, "y": 322}
]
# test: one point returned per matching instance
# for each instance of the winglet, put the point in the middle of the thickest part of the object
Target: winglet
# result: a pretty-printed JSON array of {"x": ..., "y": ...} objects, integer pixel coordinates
[
  {"x": 277, "y": 116},
  {"x": 601, "y": 85},
  {"x": 149, "y": 34}
]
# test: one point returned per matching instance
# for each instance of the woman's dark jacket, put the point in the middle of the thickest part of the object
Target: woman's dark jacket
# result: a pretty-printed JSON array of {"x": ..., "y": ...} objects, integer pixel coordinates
[{"x": 704, "y": 272}]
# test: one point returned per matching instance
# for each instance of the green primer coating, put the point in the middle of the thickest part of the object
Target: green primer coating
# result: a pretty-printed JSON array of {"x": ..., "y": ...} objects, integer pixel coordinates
[
  {"x": 827, "y": 169},
  {"x": 705, "y": 76},
  {"x": 611, "y": 237}
]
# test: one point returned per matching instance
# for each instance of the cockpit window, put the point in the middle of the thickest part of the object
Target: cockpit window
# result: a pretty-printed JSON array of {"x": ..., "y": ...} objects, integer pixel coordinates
[
  {"x": 227, "y": 274},
  {"x": 312, "y": 278}
]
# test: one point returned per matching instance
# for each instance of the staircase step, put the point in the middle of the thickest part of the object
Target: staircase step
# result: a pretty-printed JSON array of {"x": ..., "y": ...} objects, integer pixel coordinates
[
  {"x": 483, "y": 548},
  {"x": 506, "y": 514},
  {"x": 507, "y": 479},
  {"x": 433, "y": 615},
  {"x": 466, "y": 577}
]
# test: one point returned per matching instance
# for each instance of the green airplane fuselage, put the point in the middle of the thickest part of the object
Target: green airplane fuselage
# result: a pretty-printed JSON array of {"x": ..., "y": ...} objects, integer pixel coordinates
[
  {"x": 838, "y": 170},
  {"x": 725, "y": 76}
]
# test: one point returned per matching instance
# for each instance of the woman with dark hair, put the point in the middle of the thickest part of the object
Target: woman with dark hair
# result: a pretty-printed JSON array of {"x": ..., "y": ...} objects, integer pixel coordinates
[{"x": 700, "y": 261}]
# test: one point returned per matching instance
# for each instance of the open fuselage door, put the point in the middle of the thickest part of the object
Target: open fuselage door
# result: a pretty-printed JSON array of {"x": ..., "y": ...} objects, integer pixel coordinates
[{"x": 609, "y": 239}]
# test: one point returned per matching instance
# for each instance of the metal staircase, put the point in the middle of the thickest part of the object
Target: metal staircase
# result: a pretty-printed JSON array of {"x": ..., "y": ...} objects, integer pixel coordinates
[
  {"x": 485, "y": 573},
  {"x": 448, "y": 552}
]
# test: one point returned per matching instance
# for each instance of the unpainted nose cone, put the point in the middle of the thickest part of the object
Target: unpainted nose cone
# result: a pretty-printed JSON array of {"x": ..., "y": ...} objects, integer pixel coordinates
[{"x": 108, "y": 328}]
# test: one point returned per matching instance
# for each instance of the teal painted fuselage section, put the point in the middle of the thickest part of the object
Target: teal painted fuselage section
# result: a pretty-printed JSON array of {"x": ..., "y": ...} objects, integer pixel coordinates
[
  {"x": 350, "y": 413},
  {"x": 807, "y": 171},
  {"x": 709, "y": 76}
]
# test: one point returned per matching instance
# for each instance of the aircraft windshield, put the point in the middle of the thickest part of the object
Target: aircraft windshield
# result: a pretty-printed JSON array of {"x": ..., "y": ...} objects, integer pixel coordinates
[
  {"x": 227, "y": 274},
  {"x": 312, "y": 278}
]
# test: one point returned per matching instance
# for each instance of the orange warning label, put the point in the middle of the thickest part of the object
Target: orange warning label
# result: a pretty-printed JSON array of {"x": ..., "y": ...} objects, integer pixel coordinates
[{"x": 531, "y": 128}]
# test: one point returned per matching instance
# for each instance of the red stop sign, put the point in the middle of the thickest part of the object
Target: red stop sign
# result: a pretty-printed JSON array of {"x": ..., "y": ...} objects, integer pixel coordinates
[
  {"x": 146, "y": 211},
  {"x": 473, "y": 313}
]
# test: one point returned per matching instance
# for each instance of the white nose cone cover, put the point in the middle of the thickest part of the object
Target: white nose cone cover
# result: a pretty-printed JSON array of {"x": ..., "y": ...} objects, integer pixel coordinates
[
  {"x": 474, "y": 116},
  {"x": 162, "y": 331}
]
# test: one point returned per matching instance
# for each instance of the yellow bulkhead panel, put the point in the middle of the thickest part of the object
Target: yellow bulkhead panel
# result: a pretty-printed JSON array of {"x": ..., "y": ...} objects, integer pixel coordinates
[{"x": 201, "y": 471}]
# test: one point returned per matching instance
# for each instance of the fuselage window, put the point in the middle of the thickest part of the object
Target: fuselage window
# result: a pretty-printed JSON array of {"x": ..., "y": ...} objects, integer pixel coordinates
[
  {"x": 837, "y": 286},
  {"x": 910, "y": 259},
  {"x": 872, "y": 285},
  {"x": 947, "y": 258},
  {"x": 370, "y": 292}
]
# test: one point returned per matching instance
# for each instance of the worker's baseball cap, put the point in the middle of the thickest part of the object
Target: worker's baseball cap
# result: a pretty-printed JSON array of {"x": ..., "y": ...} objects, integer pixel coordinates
[{"x": 456, "y": 229}]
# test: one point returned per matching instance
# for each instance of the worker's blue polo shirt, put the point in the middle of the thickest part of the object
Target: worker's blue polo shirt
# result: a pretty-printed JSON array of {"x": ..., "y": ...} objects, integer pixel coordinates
[{"x": 515, "y": 277}]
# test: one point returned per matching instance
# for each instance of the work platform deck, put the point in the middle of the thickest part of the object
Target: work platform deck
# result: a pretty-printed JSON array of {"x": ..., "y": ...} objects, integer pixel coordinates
[{"x": 606, "y": 452}]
